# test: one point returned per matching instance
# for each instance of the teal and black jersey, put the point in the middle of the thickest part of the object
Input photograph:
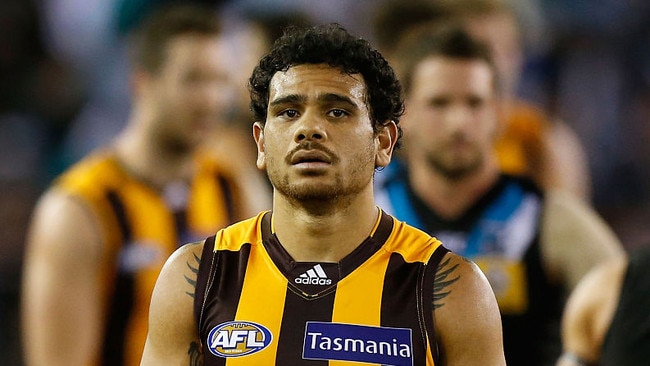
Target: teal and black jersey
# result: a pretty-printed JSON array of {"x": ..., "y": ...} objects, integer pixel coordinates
[
  {"x": 500, "y": 233},
  {"x": 256, "y": 306}
]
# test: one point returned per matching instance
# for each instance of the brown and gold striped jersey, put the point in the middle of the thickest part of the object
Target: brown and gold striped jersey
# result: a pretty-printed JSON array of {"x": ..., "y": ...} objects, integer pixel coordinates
[
  {"x": 140, "y": 227},
  {"x": 255, "y": 305}
]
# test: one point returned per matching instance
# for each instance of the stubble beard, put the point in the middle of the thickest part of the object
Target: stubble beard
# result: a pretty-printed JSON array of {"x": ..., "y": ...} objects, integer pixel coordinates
[
  {"x": 453, "y": 168},
  {"x": 175, "y": 144},
  {"x": 336, "y": 190}
]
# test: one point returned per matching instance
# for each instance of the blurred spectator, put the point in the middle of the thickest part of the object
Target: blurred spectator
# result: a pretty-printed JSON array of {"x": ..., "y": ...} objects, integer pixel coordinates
[
  {"x": 531, "y": 143},
  {"x": 102, "y": 232},
  {"x": 533, "y": 244}
]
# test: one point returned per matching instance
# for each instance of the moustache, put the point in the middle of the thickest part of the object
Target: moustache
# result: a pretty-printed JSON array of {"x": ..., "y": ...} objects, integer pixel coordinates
[{"x": 314, "y": 149}]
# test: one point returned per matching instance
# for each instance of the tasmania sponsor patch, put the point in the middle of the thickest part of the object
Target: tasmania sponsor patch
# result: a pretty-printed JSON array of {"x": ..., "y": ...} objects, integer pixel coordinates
[
  {"x": 360, "y": 343},
  {"x": 238, "y": 338}
]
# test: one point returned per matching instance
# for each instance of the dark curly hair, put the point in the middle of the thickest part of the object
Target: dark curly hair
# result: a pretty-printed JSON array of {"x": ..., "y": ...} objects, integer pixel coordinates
[{"x": 333, "y": 45}]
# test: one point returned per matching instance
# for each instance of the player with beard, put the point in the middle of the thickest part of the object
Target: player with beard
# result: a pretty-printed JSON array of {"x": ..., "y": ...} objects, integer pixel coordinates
[
  {"x": 326, "y": 276},
  {"x": 533, "y": 246},
  {"x": 103, "y": 231}
]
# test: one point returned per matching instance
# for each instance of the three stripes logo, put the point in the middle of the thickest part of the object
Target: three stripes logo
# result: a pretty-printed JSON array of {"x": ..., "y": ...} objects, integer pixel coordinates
[{"x": 314, "y": 276}]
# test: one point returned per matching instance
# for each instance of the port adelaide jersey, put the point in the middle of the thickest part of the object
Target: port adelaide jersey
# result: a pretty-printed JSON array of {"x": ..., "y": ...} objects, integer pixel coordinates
[{"x": 254, "y": 305}]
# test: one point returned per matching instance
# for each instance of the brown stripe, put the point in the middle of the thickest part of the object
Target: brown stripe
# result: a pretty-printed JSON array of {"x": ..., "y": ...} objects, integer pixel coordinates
[
  {"x": 297, "y": 312},
  {"x": 123, "y": 297},
  {"x": 402, "y": 284},
  {"x": 230, "y": 266},
  {"x": 202, "y": 277},
  {"x": 384, "y": 228}
]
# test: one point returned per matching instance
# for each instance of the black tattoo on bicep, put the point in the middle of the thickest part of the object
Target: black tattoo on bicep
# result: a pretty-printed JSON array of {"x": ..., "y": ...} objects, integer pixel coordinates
[
  {"x": 444, "y": 278},
  {"x": 194, "y": 352},
  {"x": 193, "y": 266}
]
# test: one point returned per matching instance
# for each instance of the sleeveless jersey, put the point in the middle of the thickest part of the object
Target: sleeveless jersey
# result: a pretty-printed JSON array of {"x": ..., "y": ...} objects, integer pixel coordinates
[
  {"x": 254, "y": 305},
  {"x": 140, "y": 228},
  {"x": 627, "y": 342},
  {"x": 501, "y": 234}
]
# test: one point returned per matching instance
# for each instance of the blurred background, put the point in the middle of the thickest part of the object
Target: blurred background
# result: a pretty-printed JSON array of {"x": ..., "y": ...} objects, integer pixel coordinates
[{"x": 64, "y": 91}]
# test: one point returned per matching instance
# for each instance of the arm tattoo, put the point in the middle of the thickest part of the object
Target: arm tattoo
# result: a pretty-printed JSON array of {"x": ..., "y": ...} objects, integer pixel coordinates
[
  {"x": 193, "y": 266},
  {"x": 444, "y": 278},
  {"x": 195, "y": 354}
]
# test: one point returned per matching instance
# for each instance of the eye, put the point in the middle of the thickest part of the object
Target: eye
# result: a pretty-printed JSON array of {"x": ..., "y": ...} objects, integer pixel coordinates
[
  {"x": 439, "y": 102},
  {"x": 337, "y": 113},
  {"x": 475, "y": 102},
  {"x": 289, "y": 113}
]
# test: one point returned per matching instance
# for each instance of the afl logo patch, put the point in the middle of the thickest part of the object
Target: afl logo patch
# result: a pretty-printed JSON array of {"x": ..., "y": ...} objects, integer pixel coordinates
[{"x": 238, "y": 338}]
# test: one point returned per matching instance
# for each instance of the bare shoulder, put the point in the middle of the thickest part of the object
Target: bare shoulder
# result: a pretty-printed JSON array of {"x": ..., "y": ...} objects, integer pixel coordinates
[
  {"x": 176, "y": 285},
  {"x": 173, "y": 336},
  {"x": 461, "y": 284},
  {"x": 466, "y": 314},
  {"x": 63, "y": 228},
  {"x": 181, "y": 269}
]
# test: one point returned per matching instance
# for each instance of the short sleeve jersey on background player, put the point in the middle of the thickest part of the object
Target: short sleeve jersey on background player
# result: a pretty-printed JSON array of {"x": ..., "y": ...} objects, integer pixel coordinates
[
  {"x": 255, "y": 306},
  {"x": 141, "y": 228},
  {"x": 500, "y": 233}
]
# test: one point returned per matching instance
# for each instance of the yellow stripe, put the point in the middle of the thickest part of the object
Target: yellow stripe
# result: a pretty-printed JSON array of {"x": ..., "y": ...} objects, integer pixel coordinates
[
  {"x": 207, "y": 197},
  {"x": 365, "y": 283},
  {"x": 261, "y": 302},
  {"x": 152, "y": 225}
]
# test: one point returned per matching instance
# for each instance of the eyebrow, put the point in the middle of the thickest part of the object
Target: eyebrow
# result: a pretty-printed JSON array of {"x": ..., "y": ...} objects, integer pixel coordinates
[
  {"x": 289, "y": 99},
  {"x": 331, "y": 97},
  {"x": 325, "y": 97}
]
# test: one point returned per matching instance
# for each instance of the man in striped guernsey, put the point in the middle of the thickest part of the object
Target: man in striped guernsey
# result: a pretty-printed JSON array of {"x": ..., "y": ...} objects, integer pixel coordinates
[
  {"x": 103, "y": 232},
  {"x": 326, "y": 277}
]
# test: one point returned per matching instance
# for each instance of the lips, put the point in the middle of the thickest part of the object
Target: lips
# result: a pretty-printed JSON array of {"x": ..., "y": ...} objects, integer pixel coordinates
[{"x": 310, "y": 156}]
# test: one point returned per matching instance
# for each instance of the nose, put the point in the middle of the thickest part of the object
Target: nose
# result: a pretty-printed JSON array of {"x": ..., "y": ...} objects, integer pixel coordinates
[
  {"x": 211, "y": 95},
  {"x": 459, "y": 117},
  {"x": 310, "y": 127}
]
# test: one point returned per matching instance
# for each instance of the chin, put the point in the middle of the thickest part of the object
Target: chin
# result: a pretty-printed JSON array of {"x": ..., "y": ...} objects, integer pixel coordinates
[{"x": 312, "y": 192}]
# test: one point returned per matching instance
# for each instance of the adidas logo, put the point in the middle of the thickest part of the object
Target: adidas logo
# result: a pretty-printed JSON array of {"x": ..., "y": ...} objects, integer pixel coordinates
[{"x": 314, "y": 276}]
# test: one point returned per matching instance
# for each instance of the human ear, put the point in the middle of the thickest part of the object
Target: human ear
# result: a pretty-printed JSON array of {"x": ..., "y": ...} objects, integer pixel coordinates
[
  {"x": 386, "y": 139},
  {"x": 258, "y": 135}
]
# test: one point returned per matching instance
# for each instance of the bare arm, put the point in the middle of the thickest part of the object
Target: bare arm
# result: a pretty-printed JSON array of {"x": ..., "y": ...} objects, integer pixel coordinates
[
  {"x": 466, "y": 315},
  {"x": 574, "y": 238},
  {"x": 172, "y": 337},
  {"x": 589, "y": 313},
  {"x": 61, "y": 303}
]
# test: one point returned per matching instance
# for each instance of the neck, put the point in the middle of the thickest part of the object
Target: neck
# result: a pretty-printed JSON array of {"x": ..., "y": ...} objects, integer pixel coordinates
[
  {"x": 325, "y": 234},
  {"x": 145, "y": 156},
  {"x": 451, "y": 197}
]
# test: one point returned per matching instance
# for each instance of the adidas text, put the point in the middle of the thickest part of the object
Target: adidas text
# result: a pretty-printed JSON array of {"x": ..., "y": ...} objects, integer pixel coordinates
[{"x": 313, "y": 281}]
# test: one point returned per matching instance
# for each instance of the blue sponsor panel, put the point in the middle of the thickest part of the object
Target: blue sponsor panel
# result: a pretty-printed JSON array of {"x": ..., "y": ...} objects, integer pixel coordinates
[{"x": 360, "y": 343}]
